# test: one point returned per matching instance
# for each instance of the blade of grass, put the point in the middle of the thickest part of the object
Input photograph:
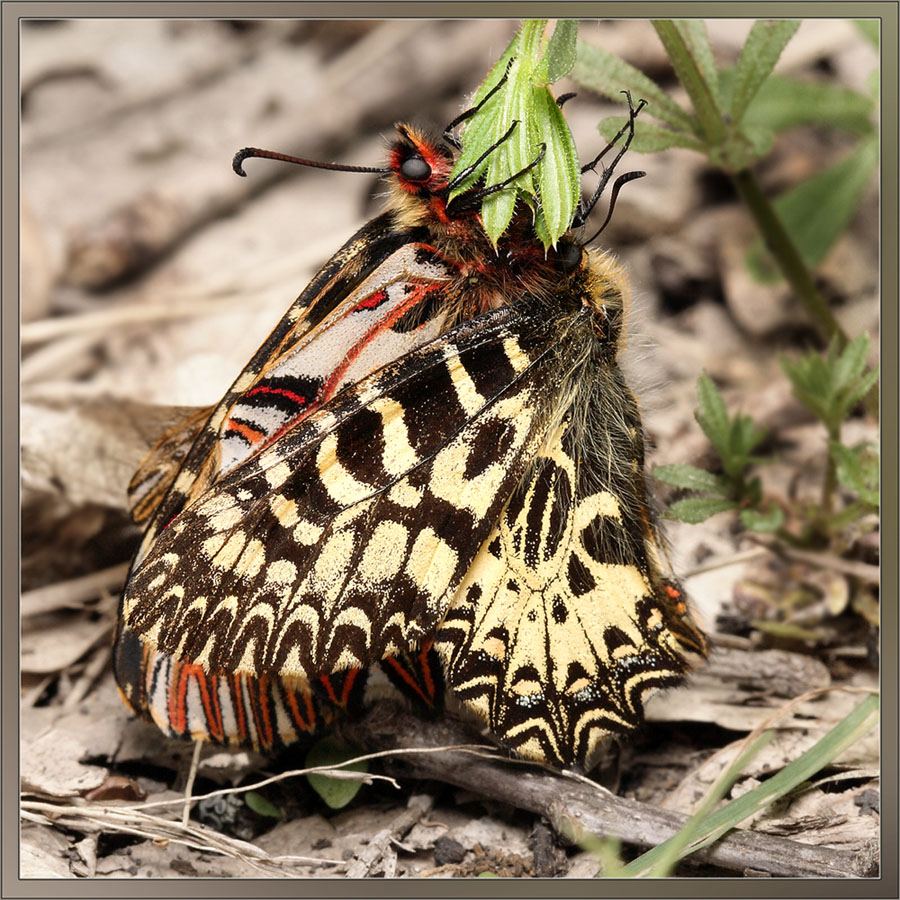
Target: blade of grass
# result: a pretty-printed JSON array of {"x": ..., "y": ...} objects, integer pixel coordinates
[
  {"x": 695, "y": 827},
  {"x": 842, "y": 736}
]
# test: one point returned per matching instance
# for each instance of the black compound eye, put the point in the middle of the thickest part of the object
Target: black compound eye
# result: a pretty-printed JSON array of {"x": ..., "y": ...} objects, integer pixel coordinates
[
  {"x": 568, "y": 257},
  {"x": 415, "y": 169}
]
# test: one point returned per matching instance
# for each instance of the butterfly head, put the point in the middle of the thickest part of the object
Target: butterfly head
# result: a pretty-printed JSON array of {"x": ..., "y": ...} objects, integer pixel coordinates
[{"x": 420, "y": 165}]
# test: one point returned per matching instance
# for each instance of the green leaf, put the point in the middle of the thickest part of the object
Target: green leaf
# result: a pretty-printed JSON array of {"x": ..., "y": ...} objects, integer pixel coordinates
[
  {"x": 607, "y": 74},
  {"x": 743, "y": 437},
  {"x": 261, "y": 806},
  {"x": 758, "y": 57},
  {"x": 336, "y": 792},
  {"x": 648, "y": 137},
  {"x": 685, "y": 49},
  {"x": 782, "y": 102},
  {"x": 857, "y": 470},
  {"x": 832, "y": 386},
  {"x": 757, "y": 520},
  {"x": 816, "y": 211},
  {"x": 846, "y": 733},
  {"x": 561, "y": 50},
  {"x": 699, "y": 509},
  {"x": 712, "y": 415},
  {"x": 696, "y": 39},
  {"x": 690, "y": 477},
  {"x": 847, "y": 368},
  {"x": 524, "y": 103},
  {"x": 559, "y": 172}
]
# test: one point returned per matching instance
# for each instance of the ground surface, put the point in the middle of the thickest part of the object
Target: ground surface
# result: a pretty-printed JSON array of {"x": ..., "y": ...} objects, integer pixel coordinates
[{"x": 150, "y": 274}]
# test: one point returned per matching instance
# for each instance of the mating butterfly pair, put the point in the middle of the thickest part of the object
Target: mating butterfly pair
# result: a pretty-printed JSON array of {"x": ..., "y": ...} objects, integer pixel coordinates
[{"x": 433, "y": 464}]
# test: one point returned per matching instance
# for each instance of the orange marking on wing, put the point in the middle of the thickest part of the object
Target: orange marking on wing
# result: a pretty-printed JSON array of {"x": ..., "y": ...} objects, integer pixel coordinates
[
  {"x": 425, "y": 668},
  {"x": 238, "y": 703},
  {"x": 407, "y": 678},
  {"x": 262, "y": 687},
  {"x": 325, "y": 681},
  {"x": 246, "y": 431},
  {"x": 294, "y": 709},
  {"x": 348, "y": 685}
]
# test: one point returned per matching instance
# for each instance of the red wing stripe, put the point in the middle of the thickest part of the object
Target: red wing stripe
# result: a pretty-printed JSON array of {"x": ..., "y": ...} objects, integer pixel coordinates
[{"x": 284, "y": 392}]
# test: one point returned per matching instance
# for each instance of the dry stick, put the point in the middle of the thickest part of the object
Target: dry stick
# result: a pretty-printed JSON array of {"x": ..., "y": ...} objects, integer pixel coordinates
[
  {"x": 570, "y": 805},
  {"x": 72, "y": 594},
  {"x": 865, "y": 571},
  {"x": 196, "y": 837},
  {"x": 192, "y": 774}
]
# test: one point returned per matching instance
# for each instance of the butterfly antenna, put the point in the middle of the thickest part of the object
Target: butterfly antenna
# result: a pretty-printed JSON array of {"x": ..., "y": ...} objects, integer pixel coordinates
[
  {"x": 250, "y": 152},
  {"x": 617, "y": 186},
  {"x": 448, "y": 131},
  {"x": 586, "y": 209}
]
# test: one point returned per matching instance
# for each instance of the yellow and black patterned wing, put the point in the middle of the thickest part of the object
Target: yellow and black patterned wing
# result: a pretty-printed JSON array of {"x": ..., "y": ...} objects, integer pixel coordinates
[
  {"x": 564, "y": 622},
  {"x": 344, "y": 541}
]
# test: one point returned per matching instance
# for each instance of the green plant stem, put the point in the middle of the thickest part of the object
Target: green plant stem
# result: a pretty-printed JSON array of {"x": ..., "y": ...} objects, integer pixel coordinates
[
  {"x": 793, "y": 268},
  {"x": 829, "y": 484},
  {"x": 786, "y": 255}
]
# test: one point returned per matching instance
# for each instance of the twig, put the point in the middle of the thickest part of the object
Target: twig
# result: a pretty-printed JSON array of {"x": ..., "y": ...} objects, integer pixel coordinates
[
  {"x": 330, "y": 771},
  {"x": 192, "y": 774},
  {"x": 865, "y": 571},
  {"x": 568, "y": 805},
  {"x": 72, "y": 594},
  {"x": 195, "y": 836}
]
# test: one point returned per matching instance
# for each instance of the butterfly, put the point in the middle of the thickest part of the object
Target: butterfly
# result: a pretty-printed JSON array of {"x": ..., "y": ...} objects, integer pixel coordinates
[{"x": 432, "y": 464}]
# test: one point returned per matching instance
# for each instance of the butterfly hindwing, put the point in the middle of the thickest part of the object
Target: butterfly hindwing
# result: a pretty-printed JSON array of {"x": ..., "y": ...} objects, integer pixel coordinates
[{"x": 563, "y": 623}]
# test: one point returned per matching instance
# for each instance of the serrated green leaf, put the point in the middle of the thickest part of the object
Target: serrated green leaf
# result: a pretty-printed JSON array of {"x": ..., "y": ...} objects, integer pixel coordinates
[
  {"x": 712, "y": 415},
  {"x": 696, "y": 39},
  {"x": 685, "y": 52},
  {"x": 744, "y": 436},
  {"x": 525, "y": 99},
  {"x": 607, "y": 74},
  {"x": 648, "y": 137},
  {"x": 859, "y": 390},
  {"x": 559, "y": 172},
  {"x": 261, "y": 806},
  {"x": 699, "y": 509},
  {"x": 852, "y": 361},
  {"x": 336, "y": 792},
  {"x": 757, "y": 520},
  {"x": 816, "y": 211},
  {"x": 690, "y": 477},
  {"x": 857, "y": 470},
  {"x": 540, "y": 228},
  {"x": 561, "y": 50},
  {"x": 760, "y": 52},
  {"x": 487, "y": 875}
]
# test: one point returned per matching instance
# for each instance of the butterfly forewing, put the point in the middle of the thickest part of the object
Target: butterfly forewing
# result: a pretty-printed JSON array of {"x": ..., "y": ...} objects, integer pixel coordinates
[
  {"x": 372, "y": 247},
  {"x": 344, "y": 543}
]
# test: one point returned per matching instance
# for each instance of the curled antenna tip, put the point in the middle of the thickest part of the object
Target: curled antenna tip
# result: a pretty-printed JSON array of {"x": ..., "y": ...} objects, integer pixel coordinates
[{"x": 238, "y": 162}]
